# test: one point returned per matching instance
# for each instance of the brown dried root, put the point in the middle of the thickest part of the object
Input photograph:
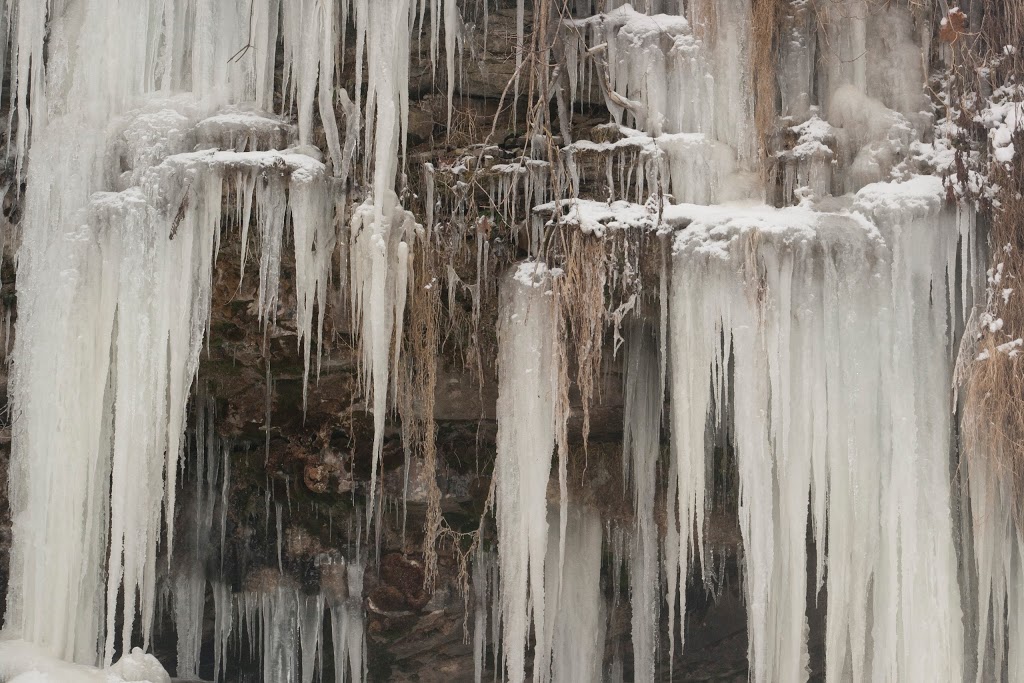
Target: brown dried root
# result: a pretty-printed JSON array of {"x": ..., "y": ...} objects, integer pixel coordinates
[
  {"x": 994, "y": 402},
  {"x": 766, "y": 17},
  {"x": 416, "y": 394},
  {"x": 993, "y": 408},
  {"x": 582, "y": 298}
]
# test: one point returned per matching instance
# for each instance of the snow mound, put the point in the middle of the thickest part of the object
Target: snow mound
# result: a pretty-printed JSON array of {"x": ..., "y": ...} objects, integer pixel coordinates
[{"x": 22, "y": 662}]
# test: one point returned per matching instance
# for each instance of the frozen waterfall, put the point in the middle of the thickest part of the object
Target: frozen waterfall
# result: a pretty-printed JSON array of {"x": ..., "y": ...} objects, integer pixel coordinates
[{"x": 637, "y": 305}]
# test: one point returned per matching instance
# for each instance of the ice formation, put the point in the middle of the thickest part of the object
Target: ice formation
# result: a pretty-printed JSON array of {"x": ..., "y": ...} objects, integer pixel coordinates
[
  {"x": 380, "y": 263},
  {"x": 120, "y": 238},
  {"x": 149, "y": 315},
  {"x": 813, "y": 291},
  {"x": 680, "y": 79},
  {"x": 575, "y": 607},
  {"x": 283, "y": 628},
  {"x": 851, "y": 440},
  {"x": 527, "y": 390},
  {"x": 642, "y": 446},
  {"x": 839, "y": 409},
  {"x": 272, "y": 620}
]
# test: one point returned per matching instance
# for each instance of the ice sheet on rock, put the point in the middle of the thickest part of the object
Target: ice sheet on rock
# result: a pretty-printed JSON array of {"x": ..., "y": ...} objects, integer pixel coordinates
[
  {"x": 696, "y": 167},
  {"x": 1003, "y": 116},
  {"x": 146, "y": 136},
  {"x": 872, "y": 136},
  {"x": 291, "y": 163},
  {"x": 245, "y": 131},
  {"x": 796, "y": 67},
  {"x": 598, "y": 218},
  {"x": 808, "y": 165},
  {"x": 139, "y": 666},
  {"x": 871, "y": 83}
]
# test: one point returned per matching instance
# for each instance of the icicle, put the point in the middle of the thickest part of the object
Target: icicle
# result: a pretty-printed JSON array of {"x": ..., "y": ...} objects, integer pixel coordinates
[
  {"x": 482, "y": 566},
  {"x": 379, "y": 254},
  {"x": 452, "y": 44},
  {"x": 429, "y": 181},
  {"x": 311, "y": 614},
  {"x": 312, "y": 224},
  {"x": 527, "y": 392},
  {"x": 387, "y": 99},
  {"x": 223, "y": 626},
  {"x": 575, "y": 605},
  {"x": 279, "y": 626},
  {"x": 27, "y": 72},
  {"x": 520, "y": 49},
  {"x": 278, "y": 535},
  {"x": 189, "y": 567},
  {"x": 348, "y": 629},
  {"x": 271, "y": 210},
  {"x": 224, "y": 491},
  {"x": 641, "y": 446}
]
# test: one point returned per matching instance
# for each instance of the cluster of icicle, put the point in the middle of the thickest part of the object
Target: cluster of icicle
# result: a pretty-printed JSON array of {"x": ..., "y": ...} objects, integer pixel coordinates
[
  {"x": 272, "y": 622},
  {"x": 819, "y": 341},
  {"x": 551, "y": 580},
  {"x": 135, "y": 124},
  {"x": 820, "y": 344},
  {"x": 682, "y": 83},
  {"x": 678, "y": 86},
  {"x": 825, "y": 340}
]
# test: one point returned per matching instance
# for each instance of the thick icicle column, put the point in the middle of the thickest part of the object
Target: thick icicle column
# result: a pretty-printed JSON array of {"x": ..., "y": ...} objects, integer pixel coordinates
[{"x": 528, "y": 387}]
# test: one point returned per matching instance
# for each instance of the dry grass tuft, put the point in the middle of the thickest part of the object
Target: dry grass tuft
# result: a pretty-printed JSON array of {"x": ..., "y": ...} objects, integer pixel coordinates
[
  {"x": 582, "y": 293},
  {"x": 993, "y": 410},
  {"x": 994, "y": 405}
]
